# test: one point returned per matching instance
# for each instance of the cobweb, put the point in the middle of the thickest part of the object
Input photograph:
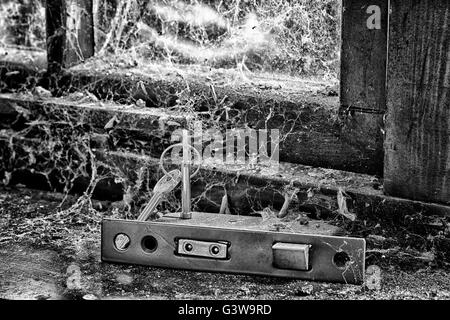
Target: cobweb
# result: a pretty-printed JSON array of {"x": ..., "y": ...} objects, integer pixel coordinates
[{"x": 290, "y": 37}]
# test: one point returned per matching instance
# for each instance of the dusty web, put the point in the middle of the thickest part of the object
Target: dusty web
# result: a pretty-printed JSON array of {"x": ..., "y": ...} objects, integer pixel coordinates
[{"x": 297, "y": 38}]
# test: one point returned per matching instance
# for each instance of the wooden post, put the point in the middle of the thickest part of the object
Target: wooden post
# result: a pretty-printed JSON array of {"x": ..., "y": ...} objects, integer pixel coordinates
[
  {"x": 55, "y": 18},
  {"x": 70, "y": 32},
  {"x": 80, "y": 31},
  {"x": 417, "y": 146},
  {"x": 363, "y": 78},
  {"x": 363, "y": 55}
]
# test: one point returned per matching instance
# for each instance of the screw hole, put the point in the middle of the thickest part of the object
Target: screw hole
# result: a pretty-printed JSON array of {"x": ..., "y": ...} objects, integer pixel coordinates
[
  {"x": 215, "y": 250},
  {"x": 149, "y": 244},
  {"x": 188, "y": 247},
  {"x": 341, "y": 259}
]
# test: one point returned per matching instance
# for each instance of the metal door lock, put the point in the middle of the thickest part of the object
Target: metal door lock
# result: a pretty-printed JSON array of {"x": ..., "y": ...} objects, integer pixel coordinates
[{"x": 220, "y": 242}]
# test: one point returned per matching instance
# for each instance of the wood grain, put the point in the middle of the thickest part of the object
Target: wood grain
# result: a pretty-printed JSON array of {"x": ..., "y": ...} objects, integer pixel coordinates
[
  {"x": 80, "y": 31},
  {"x": 363, "y": 56},
  {"x": 417, "y": 149},
  {"x": 56, "y": 36},
  {"x": 70, "y": 32},
  {"x": 312, "y": 131}
]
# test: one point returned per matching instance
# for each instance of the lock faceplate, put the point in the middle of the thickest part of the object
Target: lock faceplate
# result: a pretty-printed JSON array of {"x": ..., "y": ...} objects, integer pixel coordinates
[{"x": 330, "y": 258}]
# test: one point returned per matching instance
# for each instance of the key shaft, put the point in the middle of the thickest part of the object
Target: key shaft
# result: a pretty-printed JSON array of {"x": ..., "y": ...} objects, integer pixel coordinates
[
  {"x": 165, "y": 185},
  {"x": 155, "y": 200}
]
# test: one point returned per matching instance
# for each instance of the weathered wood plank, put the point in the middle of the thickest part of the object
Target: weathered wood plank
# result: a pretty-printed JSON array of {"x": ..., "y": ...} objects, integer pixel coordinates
[
  {"x": 363, "y": 55},
  {"x": 70, "y": 32},
  {"x": 311, "y": 131},
  {"x": 94, "y": 117},
  {"x": 417, "y": 160}
]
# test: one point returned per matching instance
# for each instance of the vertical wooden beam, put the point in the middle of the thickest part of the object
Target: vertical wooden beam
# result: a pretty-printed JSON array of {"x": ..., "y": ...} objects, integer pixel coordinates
[
  {"x": 80, "y": 31},
  {"x": 363, "y": 55},
  {"x": 55, "y": 19},
  {"x": 104, "y": 11},
  {"x": 364, "y": 26},
  {"x": 70, "y": 32},
  {"x": 417, "y": 146}
]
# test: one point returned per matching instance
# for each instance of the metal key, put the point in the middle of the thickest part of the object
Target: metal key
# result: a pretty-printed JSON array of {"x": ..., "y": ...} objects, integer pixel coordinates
[{"x": 165, "y": 185}]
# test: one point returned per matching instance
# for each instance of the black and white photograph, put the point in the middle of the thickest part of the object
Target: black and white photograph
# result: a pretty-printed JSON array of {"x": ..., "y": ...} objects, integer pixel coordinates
[{"x": 226, "y": 155}]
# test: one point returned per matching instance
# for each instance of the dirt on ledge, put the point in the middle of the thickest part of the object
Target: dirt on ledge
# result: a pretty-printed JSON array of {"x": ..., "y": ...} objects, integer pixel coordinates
[{"x": 48, "y": 255}]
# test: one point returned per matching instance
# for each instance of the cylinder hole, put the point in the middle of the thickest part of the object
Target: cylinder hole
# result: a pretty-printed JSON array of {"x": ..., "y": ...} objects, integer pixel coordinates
[{"x": 149, "y": 244}]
